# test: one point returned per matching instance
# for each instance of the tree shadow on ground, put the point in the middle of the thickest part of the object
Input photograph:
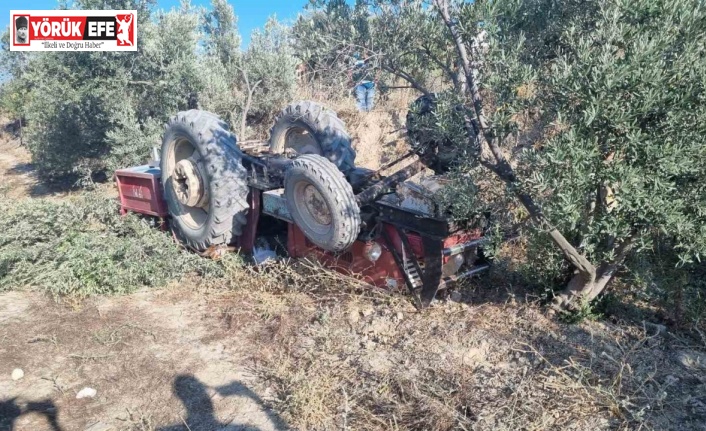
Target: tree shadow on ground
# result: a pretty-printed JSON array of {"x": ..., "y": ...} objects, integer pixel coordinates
[
  {"x": 14, "y": 127},
  {"x": 497, "y": 285},
  {"x": 620, "y": 359},
  {"x": 21, "y": 169},
  {"x": 40, "y": 187},
  {"x": 503, "y": 286},
  {"x": 200, "y": 411},
  {"x": 10, "y": 411}
]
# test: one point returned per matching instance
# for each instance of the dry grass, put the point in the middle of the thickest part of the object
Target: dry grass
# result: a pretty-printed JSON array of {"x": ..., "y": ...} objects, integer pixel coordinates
[
  {"x": 378, "y": 136},
  {"x": 338, "y": 357}
]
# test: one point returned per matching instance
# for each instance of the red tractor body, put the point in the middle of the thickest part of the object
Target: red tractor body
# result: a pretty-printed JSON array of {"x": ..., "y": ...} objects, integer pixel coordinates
[{"x": 397, "y": 247}]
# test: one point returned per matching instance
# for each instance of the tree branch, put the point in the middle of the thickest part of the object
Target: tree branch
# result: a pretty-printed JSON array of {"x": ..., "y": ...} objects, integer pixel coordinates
[
  {"x": 413, "y": 82},
  {"x": 248, "y": 101},
  {"x": 443, "y": 66},
  {"x": 502, "y": 167},
  {"x": 606, "y": 270}
]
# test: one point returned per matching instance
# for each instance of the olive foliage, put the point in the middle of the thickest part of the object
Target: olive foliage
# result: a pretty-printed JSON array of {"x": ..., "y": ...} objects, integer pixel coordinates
[
  {"x": 89, "y": 113},
  {"x": 590, "y": 112},
  {"x": 605, "y": 102},
  {"x": 388, "y": 34}
]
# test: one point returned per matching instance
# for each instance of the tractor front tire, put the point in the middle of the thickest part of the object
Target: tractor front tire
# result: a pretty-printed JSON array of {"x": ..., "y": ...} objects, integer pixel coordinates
[
  {"x": 321, "y": 203},
  {"x": 205, "y": 183},
  {"x": 310, "y": 128}
]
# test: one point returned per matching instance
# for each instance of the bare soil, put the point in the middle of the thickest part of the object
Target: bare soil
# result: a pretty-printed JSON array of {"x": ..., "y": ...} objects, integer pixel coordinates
[
  {"x": 18, "y": 178},
  {"x": 158, "y": 361},
  {"x": 294, "y": 347},
  {"x": 333, "y": 358},
  {"x": 378, "y": 136},
  {"x": 487, "y": 362}
]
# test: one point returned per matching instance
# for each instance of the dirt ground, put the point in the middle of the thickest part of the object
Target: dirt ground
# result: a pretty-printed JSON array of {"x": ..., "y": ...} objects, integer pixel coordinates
[
  {"x": 188, "y": 358},
  {"x": 16, "y": 175},
  {"x": 158, "y": 361},
  {"x": 290, "y": 349}
]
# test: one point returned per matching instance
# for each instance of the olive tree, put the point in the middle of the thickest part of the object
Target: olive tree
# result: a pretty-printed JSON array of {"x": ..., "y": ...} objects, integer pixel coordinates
[
  {"x": 616, "y": 104},
  {"x": 270, "y": 62},
  {"x": 220, "y": 27},
  {"x": 401, "y": 38},
  {"x": 13, "y": 90},
  {"x": 221, "y": 62},
  {"x": 91, "y": 112},
  {"x": 590, "y": 112},
  {"x": 253, "y": 83}
]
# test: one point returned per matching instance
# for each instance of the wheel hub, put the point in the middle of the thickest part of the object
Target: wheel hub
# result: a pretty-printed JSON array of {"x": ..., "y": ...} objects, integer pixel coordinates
[
  {"x": 302, "y": 142},
  {"x": 188, "y": 184},
  {"x": 316, "y": 205}
]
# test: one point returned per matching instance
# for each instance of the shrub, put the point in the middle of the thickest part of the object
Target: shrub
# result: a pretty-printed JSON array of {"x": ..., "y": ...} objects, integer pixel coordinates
[{"x": 270, "y": 60}]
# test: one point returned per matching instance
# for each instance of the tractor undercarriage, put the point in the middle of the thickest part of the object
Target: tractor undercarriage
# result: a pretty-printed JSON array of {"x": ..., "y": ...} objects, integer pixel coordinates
[{"x": 384, "y": 230}]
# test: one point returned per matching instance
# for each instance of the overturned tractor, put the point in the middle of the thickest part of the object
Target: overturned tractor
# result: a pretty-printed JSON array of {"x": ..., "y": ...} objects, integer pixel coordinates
[{"x": 302, "y": 193}]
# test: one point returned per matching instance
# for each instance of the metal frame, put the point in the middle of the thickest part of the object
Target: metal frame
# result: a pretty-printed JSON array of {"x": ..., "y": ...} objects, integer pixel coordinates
[{"x": 383, "y": 221}]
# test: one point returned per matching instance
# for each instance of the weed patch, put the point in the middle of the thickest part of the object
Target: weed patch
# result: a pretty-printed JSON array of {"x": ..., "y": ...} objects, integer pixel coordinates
[{"x": 83, "y": 247}]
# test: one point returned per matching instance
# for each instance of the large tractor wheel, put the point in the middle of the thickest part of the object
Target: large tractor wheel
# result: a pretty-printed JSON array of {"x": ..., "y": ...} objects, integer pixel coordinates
[
  {"x": 310, "y": 128},
  {"x": 205, "y": 183},
  {"x": 322, "y": 203}
]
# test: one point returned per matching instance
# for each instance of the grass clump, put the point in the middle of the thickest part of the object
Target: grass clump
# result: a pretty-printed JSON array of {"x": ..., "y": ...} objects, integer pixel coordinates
[{"x": 83, "y": 247}]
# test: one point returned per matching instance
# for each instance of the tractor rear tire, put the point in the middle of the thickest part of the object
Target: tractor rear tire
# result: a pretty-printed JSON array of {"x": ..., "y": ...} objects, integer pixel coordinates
[
  {"x": 310, "y": 128},
  {"x": 205, "y": 183},
  {"x": 321, "y": 203}
]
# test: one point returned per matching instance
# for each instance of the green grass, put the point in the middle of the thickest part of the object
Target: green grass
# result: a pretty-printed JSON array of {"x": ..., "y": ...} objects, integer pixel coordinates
[{"x": 82, "y": 246}]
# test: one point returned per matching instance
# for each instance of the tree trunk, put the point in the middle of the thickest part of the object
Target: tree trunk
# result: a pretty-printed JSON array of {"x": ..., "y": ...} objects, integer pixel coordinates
[
  {"x": 586, "y": 277},
  {"x": 251, "y": 91},
  {"x": 461, "y": 80},
  {"x": 581, "y": 289}
]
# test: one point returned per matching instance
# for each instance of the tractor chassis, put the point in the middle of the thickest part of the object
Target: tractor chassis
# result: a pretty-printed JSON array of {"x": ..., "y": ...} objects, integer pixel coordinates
[
  {"x": 440, "y": 238},
  {"x": 414, "y": 248}
]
